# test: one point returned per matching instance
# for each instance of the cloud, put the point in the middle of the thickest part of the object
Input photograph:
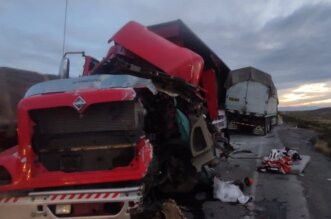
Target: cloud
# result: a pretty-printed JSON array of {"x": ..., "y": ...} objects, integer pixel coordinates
[
  {"x": 288, "y": 39},
  {"x": 313, "y": 88},
  {"x": 294, "y": 48},
  {"x": 315, "y": 94},
  {"x": 301, "y": 45}
]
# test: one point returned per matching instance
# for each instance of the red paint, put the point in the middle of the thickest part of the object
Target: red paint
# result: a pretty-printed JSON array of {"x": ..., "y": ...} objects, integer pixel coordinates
[
  {"x": 106, "y": 195},
  {"x": 210, "y": 86},
  {"x": 115, "y": 195},
  {"x": 176, "y": 61},
  {"x": 89, "y": 196},
  {"x": 7, "y": 200},
  {"x": 89, "y": 65},
  {"x": 135, "y": 171},
  {"x": 32, "y": 175},
  {"x": 172, "y": 59}
]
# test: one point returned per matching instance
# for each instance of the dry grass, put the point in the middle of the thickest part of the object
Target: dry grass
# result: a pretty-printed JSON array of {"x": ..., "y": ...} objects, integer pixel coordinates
[
  {"x": 323, "y": 147},
  {"x": 318, "y": 120}
]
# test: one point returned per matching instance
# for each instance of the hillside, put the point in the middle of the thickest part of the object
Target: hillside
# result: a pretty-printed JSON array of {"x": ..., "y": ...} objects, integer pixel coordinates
[
  {"x": 13, "y": 84},
  {"x": 320, "y": 116}
]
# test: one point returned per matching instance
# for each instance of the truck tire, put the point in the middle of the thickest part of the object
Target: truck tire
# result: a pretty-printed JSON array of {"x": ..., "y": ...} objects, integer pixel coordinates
[
  {"x": 265, "y": 127},
  {"x": 179, "y": 175},
  {"x": 270, "y": 123}
]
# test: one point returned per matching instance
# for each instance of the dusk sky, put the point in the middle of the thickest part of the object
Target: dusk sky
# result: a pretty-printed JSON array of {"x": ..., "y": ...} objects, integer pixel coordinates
[{"x": 291, "y": 40}]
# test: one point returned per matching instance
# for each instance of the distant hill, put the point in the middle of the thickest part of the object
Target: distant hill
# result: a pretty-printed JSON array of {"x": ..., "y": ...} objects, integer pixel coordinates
[
  {"x": 322, "y": 116},
  {"x": 13, "y": 84},
  {"x": 318, "y": 110},
  {"x": 298, "y": 108}
]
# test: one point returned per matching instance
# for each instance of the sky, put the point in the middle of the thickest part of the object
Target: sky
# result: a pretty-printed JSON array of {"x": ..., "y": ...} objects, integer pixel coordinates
[{"x": 289, "y": 39}]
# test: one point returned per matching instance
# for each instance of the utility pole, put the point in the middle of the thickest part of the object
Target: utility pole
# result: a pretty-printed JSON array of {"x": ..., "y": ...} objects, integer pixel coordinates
[{"x": 64, "y": 27}]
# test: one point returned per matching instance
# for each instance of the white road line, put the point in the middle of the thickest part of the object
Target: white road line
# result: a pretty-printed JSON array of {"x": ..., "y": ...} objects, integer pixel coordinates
[
  {"x": 256, "y": 173},
  {"x": 251, "y": 206}
]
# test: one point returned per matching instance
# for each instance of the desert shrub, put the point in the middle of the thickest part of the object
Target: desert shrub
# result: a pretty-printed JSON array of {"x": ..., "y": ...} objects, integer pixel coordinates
[{"x": 319, "y": 125}]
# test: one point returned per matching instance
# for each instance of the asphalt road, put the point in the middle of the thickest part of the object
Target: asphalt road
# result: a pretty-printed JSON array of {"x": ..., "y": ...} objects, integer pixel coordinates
[{"x": 276, "y": 196}]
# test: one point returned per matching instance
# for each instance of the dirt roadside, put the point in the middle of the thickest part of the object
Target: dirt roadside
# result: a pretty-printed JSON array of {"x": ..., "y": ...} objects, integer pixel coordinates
[{"x": 317, "y": 176}]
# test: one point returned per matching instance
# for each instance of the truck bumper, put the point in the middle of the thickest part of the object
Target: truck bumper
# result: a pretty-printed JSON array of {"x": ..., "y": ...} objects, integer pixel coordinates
[{"x": 84, "y": 204}]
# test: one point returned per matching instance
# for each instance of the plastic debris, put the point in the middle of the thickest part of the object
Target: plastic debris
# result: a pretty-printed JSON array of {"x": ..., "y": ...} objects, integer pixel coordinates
[
  {"x": 229, "y": 192},
  {"x": 170, "y": 210},
  {"x": 286, "y": 161},
  {"x": 280, "y": 160}
]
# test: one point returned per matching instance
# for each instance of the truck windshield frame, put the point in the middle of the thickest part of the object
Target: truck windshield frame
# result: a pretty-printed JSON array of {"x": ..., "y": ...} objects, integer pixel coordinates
[{"x": 102, "y": 81}]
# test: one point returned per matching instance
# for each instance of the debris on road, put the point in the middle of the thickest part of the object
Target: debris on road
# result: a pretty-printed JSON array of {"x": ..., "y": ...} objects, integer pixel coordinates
[
  {"x": 243, "y": 154},
  {"x": 170, "y": 210},
  {"x": 285, "y": 161},
  {"x": 230, "y": 192}
]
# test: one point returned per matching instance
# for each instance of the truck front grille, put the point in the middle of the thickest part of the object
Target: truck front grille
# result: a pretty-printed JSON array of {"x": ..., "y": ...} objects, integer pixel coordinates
[
  {"x": 114, "y": 116},
  {"x": 101, "y": 138}
]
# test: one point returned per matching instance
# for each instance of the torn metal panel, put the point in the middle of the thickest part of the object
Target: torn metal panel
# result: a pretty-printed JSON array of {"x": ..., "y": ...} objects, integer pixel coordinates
[
  {"x": 201, "y": 144},
  {"x": 170, "y": 58},
  {"x": 208, "y": 80},
  {"x": 179, "y": 33}
]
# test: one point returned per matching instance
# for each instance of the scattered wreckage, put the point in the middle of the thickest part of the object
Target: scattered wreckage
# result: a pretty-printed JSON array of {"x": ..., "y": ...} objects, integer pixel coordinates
[
  {"x": 285, "y": 161},
  {"x": 232, "y": 191},
  {"x": 140, "y": 121}
]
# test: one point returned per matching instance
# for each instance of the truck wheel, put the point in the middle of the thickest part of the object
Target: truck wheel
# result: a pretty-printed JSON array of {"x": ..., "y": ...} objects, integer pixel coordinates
[
  {"x": 178, "y": 174},
  {"x": 259, "y": 130},
  {"x": 265, "y": 127}
]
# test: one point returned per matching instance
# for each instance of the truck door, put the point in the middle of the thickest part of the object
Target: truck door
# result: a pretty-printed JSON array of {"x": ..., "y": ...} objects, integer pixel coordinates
[{"x": 201, "y": 143}]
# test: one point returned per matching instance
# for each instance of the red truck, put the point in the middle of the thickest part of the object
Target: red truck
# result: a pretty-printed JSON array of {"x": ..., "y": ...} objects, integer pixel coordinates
[{"x": 141, "y": 119}]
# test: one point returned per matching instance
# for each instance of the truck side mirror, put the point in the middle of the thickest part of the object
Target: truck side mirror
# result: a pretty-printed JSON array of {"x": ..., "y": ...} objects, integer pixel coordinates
[{"x": 64, "y": 68}]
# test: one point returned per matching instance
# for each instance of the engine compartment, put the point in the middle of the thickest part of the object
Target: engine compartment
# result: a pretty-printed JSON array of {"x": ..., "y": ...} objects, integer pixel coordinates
[{"x": 102, "y": 137}]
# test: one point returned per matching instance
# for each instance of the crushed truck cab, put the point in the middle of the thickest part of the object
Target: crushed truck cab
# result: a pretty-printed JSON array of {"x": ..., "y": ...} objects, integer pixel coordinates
[{"x": 138, "y": 121}]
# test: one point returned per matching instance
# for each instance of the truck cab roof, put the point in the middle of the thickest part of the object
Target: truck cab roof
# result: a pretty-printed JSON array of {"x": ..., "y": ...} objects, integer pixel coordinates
[{"x": 101, "y": 81}]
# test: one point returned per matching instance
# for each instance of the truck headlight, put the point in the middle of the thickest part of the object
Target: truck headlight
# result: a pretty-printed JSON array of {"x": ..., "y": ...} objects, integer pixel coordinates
[{"x": 62, "y": 209}]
